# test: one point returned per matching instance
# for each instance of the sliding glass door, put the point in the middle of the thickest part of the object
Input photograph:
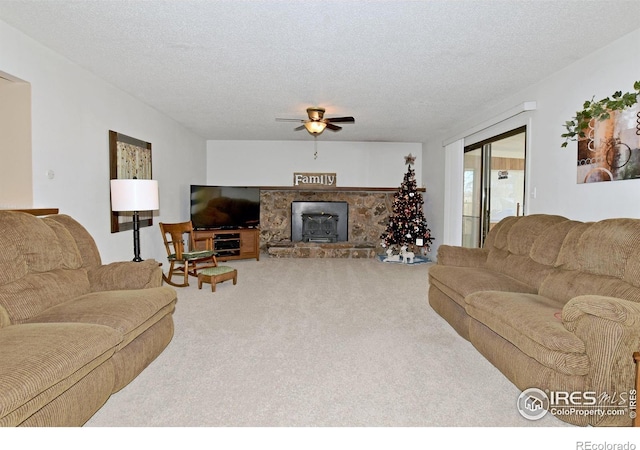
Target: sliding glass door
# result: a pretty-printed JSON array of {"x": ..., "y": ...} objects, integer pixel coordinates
[{"x": 494, "y": 184}]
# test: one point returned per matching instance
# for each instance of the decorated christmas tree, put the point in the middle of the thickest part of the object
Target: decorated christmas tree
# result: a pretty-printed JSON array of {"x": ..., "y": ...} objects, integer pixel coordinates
[{"x": 407, "y": 224}]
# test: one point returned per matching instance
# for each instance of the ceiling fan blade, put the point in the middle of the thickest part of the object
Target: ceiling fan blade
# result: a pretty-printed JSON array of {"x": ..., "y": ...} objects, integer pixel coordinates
[
  {"x": 340, "y": 119},
  {"x": 301, "y": 127},
  {"x": 289, "y": 120},
  {"x": 333, "y": 127}
]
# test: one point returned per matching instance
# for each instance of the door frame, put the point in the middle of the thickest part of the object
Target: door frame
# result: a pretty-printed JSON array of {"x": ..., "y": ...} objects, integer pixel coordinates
[
  {"x": 486, "y": 158},
  {"x": 454, "y": 166}
]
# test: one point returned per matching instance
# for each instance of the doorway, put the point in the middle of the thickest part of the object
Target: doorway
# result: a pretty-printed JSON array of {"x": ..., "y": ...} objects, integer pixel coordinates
[{"x": 494, "y": 184}]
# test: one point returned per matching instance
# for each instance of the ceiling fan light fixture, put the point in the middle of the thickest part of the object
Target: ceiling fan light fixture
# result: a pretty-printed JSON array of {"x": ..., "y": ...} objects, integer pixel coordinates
[
  {"x": 315, "y": 127},
  {"x": 315, "y": 113}
]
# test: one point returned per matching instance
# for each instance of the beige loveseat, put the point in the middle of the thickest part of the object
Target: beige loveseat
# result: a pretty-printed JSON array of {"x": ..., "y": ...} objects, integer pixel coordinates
[
  {"x": 554, "y": 304},
  {"x": 72, "y": 330}
]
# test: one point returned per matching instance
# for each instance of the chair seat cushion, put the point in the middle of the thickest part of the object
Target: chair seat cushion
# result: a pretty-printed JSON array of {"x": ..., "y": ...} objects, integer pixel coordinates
[
  {"x": 193, "y": 255},
  {"x": 213, "y": 271}
]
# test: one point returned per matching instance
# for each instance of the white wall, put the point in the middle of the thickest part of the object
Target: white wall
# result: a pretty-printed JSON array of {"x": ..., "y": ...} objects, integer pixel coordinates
[
  {"x": 552, "y": 169},
  {"x": 16, "y": 186},
  {"x": 272, "y": 163},
  {"x": 72, "y": 112}
]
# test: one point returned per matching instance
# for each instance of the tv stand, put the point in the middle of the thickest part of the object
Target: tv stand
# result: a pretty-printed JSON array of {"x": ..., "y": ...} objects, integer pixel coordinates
[{"x": 230, "y": 244}]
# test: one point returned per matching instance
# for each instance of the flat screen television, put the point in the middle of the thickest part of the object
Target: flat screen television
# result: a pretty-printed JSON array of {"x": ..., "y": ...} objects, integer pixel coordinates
[{"x": 224, "y": 207}]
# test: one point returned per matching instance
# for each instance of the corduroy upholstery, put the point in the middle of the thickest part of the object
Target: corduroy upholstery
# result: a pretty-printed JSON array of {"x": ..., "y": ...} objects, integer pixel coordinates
[
  {"x": 72, "y": 330},
  {"x": 551, "y": 302}
]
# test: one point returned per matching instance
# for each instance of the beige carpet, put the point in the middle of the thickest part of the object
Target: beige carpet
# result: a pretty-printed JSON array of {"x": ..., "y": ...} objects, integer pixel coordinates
[{"x": 316, "y": 342}]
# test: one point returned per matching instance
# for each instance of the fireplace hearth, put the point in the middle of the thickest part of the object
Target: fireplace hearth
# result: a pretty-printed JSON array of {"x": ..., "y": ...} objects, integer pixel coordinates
[{"x": 321, "y": 222}]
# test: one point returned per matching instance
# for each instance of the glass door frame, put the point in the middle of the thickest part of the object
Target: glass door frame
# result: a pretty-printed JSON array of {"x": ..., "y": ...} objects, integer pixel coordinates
[{"x": 483, "y": 216}]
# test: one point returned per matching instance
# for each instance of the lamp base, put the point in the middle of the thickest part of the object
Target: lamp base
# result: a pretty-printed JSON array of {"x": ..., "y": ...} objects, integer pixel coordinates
[{"x": 136, "y": 237}]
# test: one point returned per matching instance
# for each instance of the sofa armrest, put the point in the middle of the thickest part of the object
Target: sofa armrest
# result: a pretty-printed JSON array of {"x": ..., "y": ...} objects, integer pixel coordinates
[
  {"x": 450, "y": 255},
  {"x": 610, "y": 329},
  {"x": 125, "y": 275}
]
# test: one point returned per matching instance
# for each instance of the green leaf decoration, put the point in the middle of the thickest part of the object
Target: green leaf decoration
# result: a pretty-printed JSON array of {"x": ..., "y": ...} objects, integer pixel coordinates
[{"x": 598, "y": 110}]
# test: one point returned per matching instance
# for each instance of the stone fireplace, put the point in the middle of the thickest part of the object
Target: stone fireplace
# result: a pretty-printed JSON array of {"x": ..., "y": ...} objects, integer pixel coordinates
[{"x": 368, "y": 211}]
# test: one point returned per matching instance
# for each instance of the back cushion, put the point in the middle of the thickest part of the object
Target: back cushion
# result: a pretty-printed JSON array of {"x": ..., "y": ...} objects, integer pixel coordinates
[
  {"x": 547, "y": 245},
  {"x": 84, "y": 241},
  {"x": 70, "y": 255},
  {"x": 27, "y": 297},
  {"x": 513, "y": 245},
  {"x": 632, "y": 270},
  {"x": 601, "y": 258},
  {"x": 497, "y": 237},
  {"x": 33, "y": 245},
  {"x": 526, "y": 230},
  {"x": 606, "y": 247},
  {"x": 568, "y": 256},
  {"x": 563, "y": 285},
  {"x": 39, "y": 266}
]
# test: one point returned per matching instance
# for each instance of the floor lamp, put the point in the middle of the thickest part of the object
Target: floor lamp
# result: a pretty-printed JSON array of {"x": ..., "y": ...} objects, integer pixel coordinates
[{"x": 134, "y": 195}]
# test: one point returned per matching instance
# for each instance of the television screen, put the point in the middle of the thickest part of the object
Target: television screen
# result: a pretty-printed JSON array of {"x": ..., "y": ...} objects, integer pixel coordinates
[{"x": 224, "y": 207}]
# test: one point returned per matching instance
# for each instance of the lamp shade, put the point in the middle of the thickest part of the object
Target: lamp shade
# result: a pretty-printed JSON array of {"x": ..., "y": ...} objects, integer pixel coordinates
[
  {"x": 134, "y": 195},
  {"x": 315, "y": 127}
]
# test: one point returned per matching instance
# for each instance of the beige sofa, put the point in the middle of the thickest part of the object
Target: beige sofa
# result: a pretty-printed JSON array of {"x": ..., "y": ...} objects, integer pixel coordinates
[
  {"x": 554, "y": 304},
  {"x": 72, "y": 330}
]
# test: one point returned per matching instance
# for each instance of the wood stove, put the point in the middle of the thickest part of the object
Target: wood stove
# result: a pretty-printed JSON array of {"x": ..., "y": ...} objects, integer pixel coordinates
[{"x": 323, "y": 222}]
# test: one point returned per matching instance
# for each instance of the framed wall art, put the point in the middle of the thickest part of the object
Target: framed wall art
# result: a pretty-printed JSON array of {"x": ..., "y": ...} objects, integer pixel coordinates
[
  {"x": 610, "y": 150},
  {"x": 129, "y": 158}
]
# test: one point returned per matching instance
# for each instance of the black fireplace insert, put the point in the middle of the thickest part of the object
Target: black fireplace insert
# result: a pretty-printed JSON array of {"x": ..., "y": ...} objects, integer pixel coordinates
[{"x": 319, "y": 221}]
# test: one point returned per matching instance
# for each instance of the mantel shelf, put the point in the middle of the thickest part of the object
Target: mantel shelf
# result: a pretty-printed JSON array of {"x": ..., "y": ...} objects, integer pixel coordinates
[{"x": 333, "y": 189}]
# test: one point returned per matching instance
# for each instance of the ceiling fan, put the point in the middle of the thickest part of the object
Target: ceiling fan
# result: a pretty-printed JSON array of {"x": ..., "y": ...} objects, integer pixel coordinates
[{"x": 316, "y": 123}]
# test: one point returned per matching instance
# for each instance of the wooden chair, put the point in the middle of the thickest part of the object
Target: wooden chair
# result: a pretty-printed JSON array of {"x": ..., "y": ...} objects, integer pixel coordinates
[{"x": 184, "y": 258}]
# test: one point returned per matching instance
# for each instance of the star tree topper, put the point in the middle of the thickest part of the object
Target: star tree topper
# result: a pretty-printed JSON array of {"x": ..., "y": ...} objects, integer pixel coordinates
[{"x": 409, "y": 159}]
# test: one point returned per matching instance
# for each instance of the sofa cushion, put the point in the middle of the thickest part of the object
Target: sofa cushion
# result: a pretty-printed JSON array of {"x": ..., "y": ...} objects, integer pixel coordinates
[
  {"x": 5, "y": 320},
  {"x": 606, "y": 247},
  {"x": 632, "y": 270},
  {"x": 515, "y": 253},
  {"x": 524, "y": 232},
  {"x": 462, "y": 281},
  {"x": 567, "y": 257},
  {"x": 520, "y": 267},
  {"x": 563, "y": 285},
  {"x": 26, "y": 245},
  {"x": 125, "y": 275},
  {"x": 32, "y": 294},
  {"x": 86, "y": 244},
  {"x": 70, "y": 255},
  {"x": 529, "y": 322},
  {"x": 35, "y": 241},
  {"x": 130, "y": 312},
  {"x": 499, "y": 234},
  {"x": 547, "y": 246},
  {"x": 12, "y": 265},
  {"x": 38, "y": 362}
]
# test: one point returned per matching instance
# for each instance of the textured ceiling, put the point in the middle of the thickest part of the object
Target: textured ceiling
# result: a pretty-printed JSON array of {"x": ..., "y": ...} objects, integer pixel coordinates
[{"x": 405, "y": 70}]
